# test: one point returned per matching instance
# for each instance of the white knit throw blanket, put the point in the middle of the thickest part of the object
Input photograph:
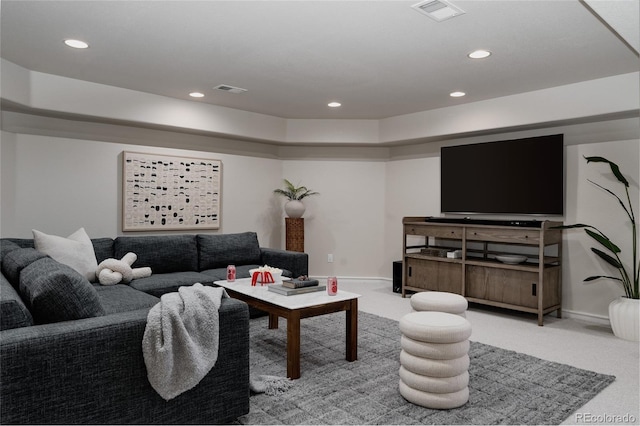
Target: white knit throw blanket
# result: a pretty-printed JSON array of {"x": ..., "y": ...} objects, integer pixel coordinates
[{"x": 180, "y": 342}]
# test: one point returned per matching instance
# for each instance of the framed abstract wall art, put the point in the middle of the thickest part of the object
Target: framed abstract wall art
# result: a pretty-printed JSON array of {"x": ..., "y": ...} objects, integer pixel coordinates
[{"x": 170, "y": 193}]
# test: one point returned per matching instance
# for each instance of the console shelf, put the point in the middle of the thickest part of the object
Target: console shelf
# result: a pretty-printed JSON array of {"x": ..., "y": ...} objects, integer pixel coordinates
[{"x": 533, "y": 286}]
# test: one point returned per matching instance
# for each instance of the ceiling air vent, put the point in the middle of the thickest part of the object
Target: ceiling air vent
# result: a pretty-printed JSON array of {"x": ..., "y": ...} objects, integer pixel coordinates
[
  {"x": 438, "y": 10},
  {"x": 230, "y": 89}
]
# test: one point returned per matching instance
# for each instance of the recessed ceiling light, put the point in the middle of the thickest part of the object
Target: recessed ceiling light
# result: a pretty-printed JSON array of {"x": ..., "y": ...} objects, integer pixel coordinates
[
  {"x": 479, "y": 54},
  {"x": 196, "y": 95},
  {"x": 76, "y": 44},
  {"x": 334, "y": 104},
  {"x": 457, "y": 94}
]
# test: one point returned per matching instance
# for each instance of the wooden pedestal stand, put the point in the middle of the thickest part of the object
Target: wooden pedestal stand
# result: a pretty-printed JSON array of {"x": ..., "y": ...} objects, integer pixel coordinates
[{"x": 295, "y": 234}]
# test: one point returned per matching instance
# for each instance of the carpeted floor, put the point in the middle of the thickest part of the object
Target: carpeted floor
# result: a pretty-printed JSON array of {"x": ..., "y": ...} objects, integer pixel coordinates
[{"x": 505, "y": 387}]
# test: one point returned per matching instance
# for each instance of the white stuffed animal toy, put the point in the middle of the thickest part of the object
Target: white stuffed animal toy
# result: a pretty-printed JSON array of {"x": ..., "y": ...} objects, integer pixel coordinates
[{"x": 113, "y": 271}]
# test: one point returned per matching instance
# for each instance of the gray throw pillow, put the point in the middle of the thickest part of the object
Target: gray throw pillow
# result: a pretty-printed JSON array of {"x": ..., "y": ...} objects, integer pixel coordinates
[{"x": 55, "y": 292}]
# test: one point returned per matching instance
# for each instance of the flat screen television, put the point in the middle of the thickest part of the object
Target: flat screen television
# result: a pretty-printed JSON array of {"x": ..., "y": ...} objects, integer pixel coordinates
[{"x": 520, "y": 176}]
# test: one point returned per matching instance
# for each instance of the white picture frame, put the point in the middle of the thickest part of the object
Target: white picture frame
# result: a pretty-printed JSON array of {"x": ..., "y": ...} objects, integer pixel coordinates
[{"x": 168, "y": 193}]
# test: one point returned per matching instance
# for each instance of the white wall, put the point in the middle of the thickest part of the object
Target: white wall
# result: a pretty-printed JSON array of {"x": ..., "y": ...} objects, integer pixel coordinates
[
  {"x": 346, "y": 219},
  {"x": 413, "y": 189},
  {"x": 57, "y": 185}
]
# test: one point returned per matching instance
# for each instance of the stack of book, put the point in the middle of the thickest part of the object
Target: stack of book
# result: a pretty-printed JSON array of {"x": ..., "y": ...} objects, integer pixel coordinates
[{"x": 296, "y": 286}]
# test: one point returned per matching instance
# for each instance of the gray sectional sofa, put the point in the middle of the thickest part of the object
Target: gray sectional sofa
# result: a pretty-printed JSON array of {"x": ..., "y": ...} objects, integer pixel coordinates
[{"x": 71, "y": 352}]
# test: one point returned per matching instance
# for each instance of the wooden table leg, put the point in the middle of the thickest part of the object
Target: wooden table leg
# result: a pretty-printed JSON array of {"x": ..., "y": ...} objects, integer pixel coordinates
[
  {"x": 293, "y": 345},
  {"x": 352, "y": 331},
  {"x": 273, "y": 321}
]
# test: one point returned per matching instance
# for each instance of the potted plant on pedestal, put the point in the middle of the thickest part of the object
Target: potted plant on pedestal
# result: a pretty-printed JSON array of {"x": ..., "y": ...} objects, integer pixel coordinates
[
  {"x": 294, "y": 207},
  {"x": 624, "y": 312}
]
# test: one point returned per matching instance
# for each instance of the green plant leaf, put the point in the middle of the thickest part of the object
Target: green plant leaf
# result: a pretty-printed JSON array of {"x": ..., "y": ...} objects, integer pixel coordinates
[
  {"x": 595, "y": 277},
  {"x": 606, "y": 242},
  {"x": 614, "y": 168},
  {"x": 610, "y": 260},
  {"x": 292, "y": 192}
]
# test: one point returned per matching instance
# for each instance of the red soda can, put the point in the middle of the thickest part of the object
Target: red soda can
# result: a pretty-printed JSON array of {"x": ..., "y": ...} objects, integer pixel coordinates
[
  {"x": 332, "y": 286},
  {"x": 231, "y": 273}
]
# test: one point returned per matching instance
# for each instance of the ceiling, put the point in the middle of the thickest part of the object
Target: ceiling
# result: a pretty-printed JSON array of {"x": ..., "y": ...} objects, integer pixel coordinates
[{"x": 378, "y": 58}]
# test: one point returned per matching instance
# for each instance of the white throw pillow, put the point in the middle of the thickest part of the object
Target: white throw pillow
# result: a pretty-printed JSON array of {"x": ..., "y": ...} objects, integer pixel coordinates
[{"x": 75, "y": 251}]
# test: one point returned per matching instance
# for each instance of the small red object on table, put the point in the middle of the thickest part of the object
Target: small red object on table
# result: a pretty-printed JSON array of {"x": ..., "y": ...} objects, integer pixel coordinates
[{"x": 265, "y": 278}]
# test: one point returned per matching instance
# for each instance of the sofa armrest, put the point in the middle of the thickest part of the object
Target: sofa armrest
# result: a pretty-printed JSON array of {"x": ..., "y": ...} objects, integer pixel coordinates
[
  {"x": 92, "y": 371},
  {"x": 296, "y": 262}
]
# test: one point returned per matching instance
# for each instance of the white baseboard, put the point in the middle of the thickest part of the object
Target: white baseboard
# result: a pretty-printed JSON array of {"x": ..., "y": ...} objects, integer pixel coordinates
[{"x": 586, "y": 317}]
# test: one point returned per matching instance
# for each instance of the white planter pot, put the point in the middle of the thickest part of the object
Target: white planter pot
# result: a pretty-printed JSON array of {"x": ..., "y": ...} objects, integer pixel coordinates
[
  {"x": 624, "y": 315},
  {"x": 294, "y": 208}
]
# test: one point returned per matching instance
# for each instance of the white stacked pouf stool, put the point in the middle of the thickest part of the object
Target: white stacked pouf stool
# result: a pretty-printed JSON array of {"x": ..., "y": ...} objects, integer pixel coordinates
[
  {"x": 434, "y": 361},
  {"x": 439, "y": 301}
]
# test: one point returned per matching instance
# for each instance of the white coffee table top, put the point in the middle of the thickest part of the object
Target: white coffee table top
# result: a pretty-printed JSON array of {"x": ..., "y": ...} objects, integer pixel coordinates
[{"x": 298, "y": 301}]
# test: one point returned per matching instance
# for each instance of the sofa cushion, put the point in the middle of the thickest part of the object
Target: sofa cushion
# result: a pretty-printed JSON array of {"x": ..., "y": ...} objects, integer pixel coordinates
[
  {"x": 219, "y": 274},
  {"x": 120, "y": 298},
  {"x": 75, "y": 251},
  {"x": 103, "y": 248},
  {"x": 159, "y": 284},
  {"x": 163, "y": 254},
  {"x": 220, "y": 250},
  {"x": 15, "y": 261},
  {"x": 13, "y": 312},
  {"x": 6, "y": 246},
  {"x": 56, "y": 292}
]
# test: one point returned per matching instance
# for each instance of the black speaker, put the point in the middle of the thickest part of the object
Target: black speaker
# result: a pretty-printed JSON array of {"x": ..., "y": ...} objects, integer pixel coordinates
[{"x": 397, "y": 276}]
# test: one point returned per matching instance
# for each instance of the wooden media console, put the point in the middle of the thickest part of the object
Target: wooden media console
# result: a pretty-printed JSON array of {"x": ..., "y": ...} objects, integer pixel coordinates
[{"x": 533, "y": 285}]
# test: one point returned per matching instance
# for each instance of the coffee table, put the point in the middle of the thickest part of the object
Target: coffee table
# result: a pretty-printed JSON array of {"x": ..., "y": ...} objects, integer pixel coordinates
[{"x": 294, "y": 308}]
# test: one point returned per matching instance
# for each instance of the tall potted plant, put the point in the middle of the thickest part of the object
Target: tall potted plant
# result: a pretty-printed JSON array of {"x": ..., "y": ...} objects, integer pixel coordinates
[
  {"x": 294, "y": 207},
  {"x": 624, "y": 312}
]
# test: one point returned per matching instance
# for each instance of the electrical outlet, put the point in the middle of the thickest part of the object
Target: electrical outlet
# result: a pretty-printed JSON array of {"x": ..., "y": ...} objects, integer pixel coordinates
[{"x": 330, "y": 258}]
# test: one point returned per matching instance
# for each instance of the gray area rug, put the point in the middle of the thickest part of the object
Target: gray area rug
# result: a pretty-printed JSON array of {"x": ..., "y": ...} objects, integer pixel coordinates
[{"x": 505, "y": 387}]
